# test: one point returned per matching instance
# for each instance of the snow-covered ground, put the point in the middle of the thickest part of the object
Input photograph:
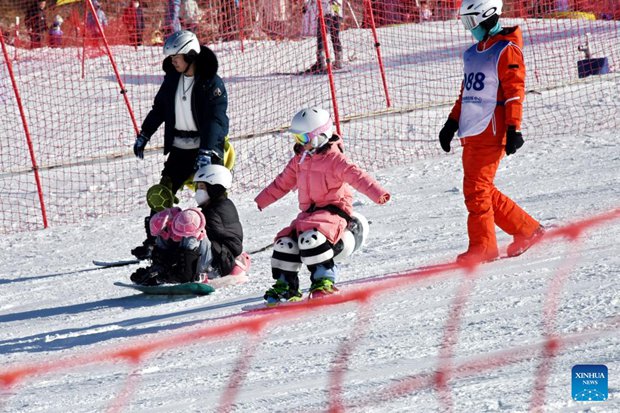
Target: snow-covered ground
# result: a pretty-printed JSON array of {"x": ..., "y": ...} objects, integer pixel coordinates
[{"x": 56, "y": 308}]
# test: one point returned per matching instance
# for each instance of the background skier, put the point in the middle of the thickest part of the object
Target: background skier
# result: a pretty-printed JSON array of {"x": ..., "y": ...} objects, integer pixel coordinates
[
  {"x": 333, "y": 16},
  {"x": 36, "y": 23},
  {"x": 133, "y": 18}
]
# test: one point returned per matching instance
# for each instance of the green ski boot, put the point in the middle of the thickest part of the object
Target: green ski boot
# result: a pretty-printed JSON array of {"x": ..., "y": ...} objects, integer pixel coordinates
[
  {"x": 279, "y": 293},
  {"x": 321, "y": 288}
]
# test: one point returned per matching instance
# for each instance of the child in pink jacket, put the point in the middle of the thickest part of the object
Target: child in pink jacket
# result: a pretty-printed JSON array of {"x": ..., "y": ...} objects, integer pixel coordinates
[{"x": 323, "y": 177}]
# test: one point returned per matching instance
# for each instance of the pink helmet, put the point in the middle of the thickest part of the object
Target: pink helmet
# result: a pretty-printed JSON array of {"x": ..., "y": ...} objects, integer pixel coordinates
[
  {"x": 160, "y": 222},
  {"x": 188, "y": 223}
]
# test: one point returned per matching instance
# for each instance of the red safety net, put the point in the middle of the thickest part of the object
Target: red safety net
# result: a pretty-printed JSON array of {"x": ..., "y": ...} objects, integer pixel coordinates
[{"x": 75, "y": 88}]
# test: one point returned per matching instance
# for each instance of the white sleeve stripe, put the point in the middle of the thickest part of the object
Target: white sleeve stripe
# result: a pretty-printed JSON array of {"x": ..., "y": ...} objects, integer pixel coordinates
[{"x": 514, "y": 98}]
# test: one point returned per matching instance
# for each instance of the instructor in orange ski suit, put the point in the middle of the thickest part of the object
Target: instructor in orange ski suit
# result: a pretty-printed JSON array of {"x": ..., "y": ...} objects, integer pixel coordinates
[{"x": 487, "y": 115}]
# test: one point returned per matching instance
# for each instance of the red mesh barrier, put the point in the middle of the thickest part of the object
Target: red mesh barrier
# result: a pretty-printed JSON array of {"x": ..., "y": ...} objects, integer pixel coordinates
[
  {"x": 71, "y": 105},
  {"x": 444, "y": 372}
]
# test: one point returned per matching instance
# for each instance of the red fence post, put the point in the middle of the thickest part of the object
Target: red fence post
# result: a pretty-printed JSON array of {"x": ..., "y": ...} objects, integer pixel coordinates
[
  {"x": 332, "y": 86},
  {"x": 16, "y": 37},
  {"x": 118, "y": 77},
  {"x": 241, "y": 24},
  {"x": 35, "y": 168},
  {"x": 378, "y": 49},
  {"x": 84, "y": 40}
]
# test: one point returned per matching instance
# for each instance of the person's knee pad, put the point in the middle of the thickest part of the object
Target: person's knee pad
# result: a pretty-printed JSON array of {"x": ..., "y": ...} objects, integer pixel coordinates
[
  {"x": 314, "y": 247},
  {"x": 345, "y": 246},
  {"x": 159, "y": 197},
  {"x": 285, "y": 255},
  {"x": 353, "y": 238}
]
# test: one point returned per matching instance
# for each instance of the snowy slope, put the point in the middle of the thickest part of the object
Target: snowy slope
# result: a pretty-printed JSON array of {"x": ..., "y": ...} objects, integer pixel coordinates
[{"x": 54, "y": 307}]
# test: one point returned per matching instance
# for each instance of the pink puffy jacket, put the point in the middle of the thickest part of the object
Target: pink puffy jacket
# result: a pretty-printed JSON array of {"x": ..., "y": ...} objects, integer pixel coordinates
[{"x": 321, "y": 179}]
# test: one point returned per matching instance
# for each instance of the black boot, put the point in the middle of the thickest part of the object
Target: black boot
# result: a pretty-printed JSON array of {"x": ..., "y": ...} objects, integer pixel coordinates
[
  {"x": 337, "y": 65},
  {"x": 318, "y": 67},
  {"x": 146, "y": 276},
  {"x": 144, "y": 251}
]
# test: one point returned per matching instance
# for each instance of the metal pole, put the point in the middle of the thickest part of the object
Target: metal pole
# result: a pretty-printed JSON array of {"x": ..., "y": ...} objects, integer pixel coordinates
[
  {"x": 332, "y": 86},
  {"x": 118, "y": 77},
  {"x": 33, "y": 160},
  {"x": 378, "y": 49}
]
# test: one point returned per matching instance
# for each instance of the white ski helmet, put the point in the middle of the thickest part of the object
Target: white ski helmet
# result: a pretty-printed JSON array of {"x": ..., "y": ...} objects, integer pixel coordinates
[
  {"x": 312, "y": 125},
  {"x": 181, "y": 42},
  {"x": 474, "y": 12},
  {"x": 214, "y": 175}
]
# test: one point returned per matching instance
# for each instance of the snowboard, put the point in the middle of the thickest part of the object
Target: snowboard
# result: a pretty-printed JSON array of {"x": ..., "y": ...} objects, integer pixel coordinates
[
  {"x": 228, "y": 281},
  {"x": 171, "y": 289},
  {"x": 266, "y": 307},
  {"x": 285, "y": 304},
  {"x": 107, "y": 264}
]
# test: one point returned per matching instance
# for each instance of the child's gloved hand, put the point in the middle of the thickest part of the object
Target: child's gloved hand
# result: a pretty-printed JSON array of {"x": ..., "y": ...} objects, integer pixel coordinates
[
  {"x": 204, "y": 158},
  {"x": 384, "y": 198}
]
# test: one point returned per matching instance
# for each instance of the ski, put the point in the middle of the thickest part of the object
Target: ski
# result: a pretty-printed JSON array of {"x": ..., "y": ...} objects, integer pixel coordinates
[
  {"x": 306, "y": 73},
  {"x": 120, "y": 263},
  {"x": 192, "y": 288},
  {"x": 265, "y": 306}
]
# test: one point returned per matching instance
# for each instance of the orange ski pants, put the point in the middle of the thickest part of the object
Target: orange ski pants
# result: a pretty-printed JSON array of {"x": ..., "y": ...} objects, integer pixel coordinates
[{"x": 486, "y": 205}]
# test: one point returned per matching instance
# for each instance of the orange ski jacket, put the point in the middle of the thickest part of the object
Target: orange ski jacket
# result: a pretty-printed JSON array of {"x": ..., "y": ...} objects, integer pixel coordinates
[{"x": 510, "y": 93}]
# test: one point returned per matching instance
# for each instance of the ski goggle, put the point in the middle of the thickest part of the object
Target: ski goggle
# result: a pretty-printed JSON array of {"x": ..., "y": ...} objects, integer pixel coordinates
[
  {"x": 307, "y": 137},
  {"x": 302, "y": 138},
  {"x": 469, "y": 21}
]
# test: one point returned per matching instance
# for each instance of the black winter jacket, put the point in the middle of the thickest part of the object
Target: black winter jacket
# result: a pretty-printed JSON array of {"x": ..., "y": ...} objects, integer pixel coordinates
[
  {"x": 209, "y": 104},
  {"x": 224, "y": 232},
  {"x": 35, "y": 19}
]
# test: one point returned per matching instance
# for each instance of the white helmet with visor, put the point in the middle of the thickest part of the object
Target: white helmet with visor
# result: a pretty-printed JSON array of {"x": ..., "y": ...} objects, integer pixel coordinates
[
  {"x": 181, "y": 42},
  {"x": 474, "y": 12}
]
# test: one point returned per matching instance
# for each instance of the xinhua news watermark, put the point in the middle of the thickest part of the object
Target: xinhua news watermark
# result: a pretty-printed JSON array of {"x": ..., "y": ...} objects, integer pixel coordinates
[{"x": 589, "y": 382}]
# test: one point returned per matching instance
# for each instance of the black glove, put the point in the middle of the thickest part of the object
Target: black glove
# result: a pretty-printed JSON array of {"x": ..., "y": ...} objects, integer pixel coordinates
[
  {"x": 204, "y": 158},
  {"x": 514, "y": 140},
  {"x": 139, "y": 145},
  {"x": 447, "y": 133}
]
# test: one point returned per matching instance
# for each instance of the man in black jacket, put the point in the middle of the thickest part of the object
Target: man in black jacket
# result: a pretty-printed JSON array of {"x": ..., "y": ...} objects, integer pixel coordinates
[{"x": 192, "y": 103}]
